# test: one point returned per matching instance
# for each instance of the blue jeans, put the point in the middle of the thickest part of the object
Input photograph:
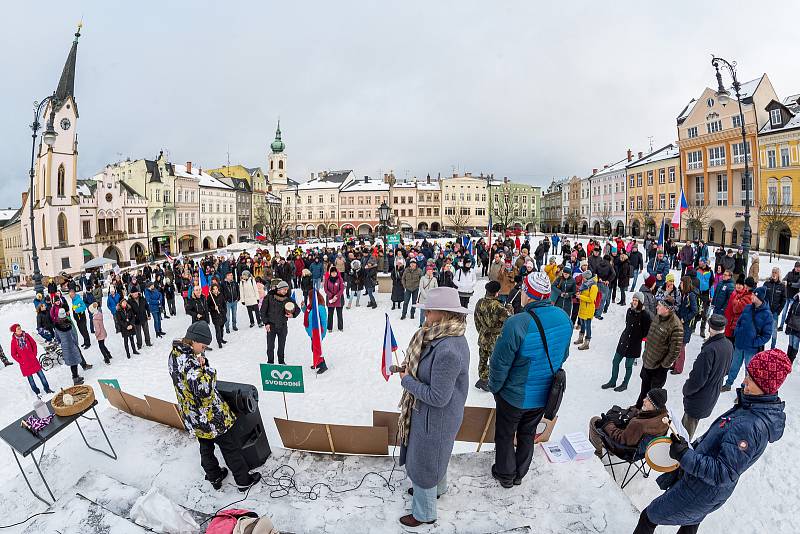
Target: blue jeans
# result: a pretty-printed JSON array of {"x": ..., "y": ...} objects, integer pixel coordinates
[
  {"x": 91, "y": 323},
  {"x": 739, "y": 356},
  {"x": 231, "y": 315},
  {"x": 605, "y": 291},
  {"x": 586, "y": 327},
  {"x": 421, "y": 317},
  {"x": 156, "y": 320},
  {"x": 794, "y": 341},
  {"x": 40, "y": 374},
  {"x": 316, "y": 282},
  {"x": 423, "y": 502},
  {"x": 409, "y": 295},
  {"x": 370, "y": 290},
  {"x": 786, "y": 307},
  {"x": 774, "y": 328},
  {"x": 634, "y": 280}
]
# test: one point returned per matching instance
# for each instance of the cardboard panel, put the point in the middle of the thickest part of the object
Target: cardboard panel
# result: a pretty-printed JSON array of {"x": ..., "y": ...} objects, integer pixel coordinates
[
  {"x": 114, "y": 397},
  {"x": 474, "y": 424},
  {"x": 137, "y": 406},
  {"x": 303, "y": 436},
  {"x": 388, "y": 420},
  {"x": 544, "y": 430},
  {"x": 360, "y": 439},
  {"x": 164, "y": 412}
]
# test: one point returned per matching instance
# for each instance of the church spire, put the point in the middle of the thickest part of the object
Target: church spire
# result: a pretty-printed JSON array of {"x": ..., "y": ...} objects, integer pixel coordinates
[
  {"x": 66, "y": 85},
  {"x": 278, "y": 145}
]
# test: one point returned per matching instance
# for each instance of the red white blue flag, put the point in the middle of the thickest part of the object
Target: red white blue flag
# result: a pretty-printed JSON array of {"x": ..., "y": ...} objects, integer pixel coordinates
[
  {"x": 260, "y": 236},
  {"x": 203, "y": 282},
  {"x": 389, "y": 346},
  {"x": 315, "y": 319},
  {"x": 680, "y": 207}
]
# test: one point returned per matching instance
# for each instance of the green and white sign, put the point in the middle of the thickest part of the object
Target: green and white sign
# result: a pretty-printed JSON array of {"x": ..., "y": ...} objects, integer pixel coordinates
[
  {"x": 285, "y": 378},
  {"x": 393, "y": 239}
]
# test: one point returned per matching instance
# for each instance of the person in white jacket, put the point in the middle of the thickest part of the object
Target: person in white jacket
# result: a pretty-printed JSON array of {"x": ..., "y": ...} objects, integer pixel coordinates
[
  {"x": 426, "y": 283},
  {"x": 464, "y": 280},
  {"x": 248, "y": 293}
]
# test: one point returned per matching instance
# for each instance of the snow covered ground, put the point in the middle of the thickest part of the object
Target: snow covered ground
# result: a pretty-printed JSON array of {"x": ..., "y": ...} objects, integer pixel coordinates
[{"x": 763, "y": 502}]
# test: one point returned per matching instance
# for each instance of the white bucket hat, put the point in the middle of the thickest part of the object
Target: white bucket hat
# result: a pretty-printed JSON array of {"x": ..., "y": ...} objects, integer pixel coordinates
[{"x": 443, "y": 299}]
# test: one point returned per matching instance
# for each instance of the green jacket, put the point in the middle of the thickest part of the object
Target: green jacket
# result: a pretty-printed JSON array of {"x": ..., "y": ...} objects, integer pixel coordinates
[
  {"x": 205, "y": 414},
  {"x": 490, "y": 314},
  {"x": 664, "y": 341}
]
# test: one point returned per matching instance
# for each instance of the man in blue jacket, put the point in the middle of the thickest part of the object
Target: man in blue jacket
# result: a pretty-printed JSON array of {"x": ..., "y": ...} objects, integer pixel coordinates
[
  {"x": 710, "y": 471},
  {"x": 722, "y": 292},
  {"x": 659, "y": 268},
  {"x": 154, "y": 300},
  {"x": 520, "y": 376},
  {"x": 753, "y": 331}
]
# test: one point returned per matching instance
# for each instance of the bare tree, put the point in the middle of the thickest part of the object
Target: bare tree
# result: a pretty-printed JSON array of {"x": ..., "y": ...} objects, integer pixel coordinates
[
  {"x": 458, "y": 220},
  {"x": 505, "y": 206},
  {"x": 605, "y": 219},
  {"x": 572, "y": 220},
  {"x": 697, "y": 218},
  {"x": 276, "y": 223},
  {"x": 775, "y": 216},
  {"x": 648, "y": 222}
]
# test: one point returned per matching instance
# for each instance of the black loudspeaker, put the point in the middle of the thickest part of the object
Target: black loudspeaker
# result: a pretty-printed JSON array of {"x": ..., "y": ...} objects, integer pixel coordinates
[{"x": 249, "y": 428}]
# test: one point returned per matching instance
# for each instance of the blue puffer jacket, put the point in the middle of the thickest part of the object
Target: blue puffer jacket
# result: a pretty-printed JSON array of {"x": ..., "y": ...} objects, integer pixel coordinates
[
  {"x": 705, "y": 278},
  {"x": 657, "y": 267},
  {"x": 317, "y": 270},
  {"x": 153, "y": 298},
  {"x": 78, "y": 306},
  {"x": 722, "y": 292},
  {"x": 712, "y": 469},
  {"x": 519, "y": 371},
  {"x": 754, "y": 328},
  {"x": 112, "y": 301}
]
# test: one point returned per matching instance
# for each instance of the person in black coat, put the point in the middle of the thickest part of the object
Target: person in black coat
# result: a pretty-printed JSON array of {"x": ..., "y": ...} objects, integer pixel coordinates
[
  {"x": 702, "y": 388},
  {"x": 623, "y": 267},
  {"x": 637, "y": 324},
  {"x": 398, "y": 291},
  {"x": 775, "y": 299},
  {"x": 636, "y": 262},
  {"x": 229, "y": 290},
  {"x": 218, "y": 309},
  {"x": 125, "y": 319},
  {"x": 139, "y": 305},
  {"x": 276, "y": 310},
  {"x": 169, "y": 296},
  {"x": 197, "y": 306},
  {"x": 792, "y": 280}
]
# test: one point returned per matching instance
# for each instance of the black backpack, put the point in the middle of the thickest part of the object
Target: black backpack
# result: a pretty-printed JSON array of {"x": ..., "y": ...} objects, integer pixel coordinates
[{"x": 559, "y": 384}]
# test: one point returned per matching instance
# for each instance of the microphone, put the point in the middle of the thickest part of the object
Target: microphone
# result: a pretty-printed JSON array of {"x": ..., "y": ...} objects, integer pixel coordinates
[{"x": 396, "y": 368}]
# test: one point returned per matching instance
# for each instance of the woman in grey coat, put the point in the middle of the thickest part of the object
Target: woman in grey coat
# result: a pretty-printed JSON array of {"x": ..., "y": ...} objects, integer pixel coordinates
[
  {"x": 68, "y": 339},
  {"x": 435, "y": 380}
]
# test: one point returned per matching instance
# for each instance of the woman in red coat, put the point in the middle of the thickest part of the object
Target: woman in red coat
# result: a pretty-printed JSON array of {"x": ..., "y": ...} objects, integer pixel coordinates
[
  {"x": 23, "y": 350},
  {"x": 334, "y": 294}
]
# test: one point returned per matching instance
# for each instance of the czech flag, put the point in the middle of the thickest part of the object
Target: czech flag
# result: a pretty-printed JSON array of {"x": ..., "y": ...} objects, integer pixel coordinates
[
  {"x": 466, "y": 242},
  {"x": 203, "y": 282},
  {"x": 169, "y": 258},
  {"x": 315, "y": 320},
  {"x": 489, "y": 233},
  {"x": 389, "y": 346},
  {"x": 680, "y": 207},
  {"x": 260, "y": 236}
]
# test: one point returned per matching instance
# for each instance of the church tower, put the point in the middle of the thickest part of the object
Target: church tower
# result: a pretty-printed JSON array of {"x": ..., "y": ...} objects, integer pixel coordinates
[
  {"x": 56, "y": 204},
  {"x": 278, "y": 177}
]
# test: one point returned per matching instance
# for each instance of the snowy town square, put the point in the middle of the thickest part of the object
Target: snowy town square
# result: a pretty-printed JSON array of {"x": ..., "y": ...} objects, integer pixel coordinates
[{"x": 375, "y": 267}]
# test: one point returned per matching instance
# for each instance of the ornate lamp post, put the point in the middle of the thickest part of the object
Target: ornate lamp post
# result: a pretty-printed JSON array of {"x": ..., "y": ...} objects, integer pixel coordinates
[
  {"x": 383, "y": 217},
  {"x": 49, "y": 138},
  {"x": 723, "y": 97}
]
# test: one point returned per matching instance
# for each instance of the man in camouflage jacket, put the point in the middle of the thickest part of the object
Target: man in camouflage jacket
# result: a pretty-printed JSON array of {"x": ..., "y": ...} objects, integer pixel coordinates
[
  {"x": 490, "y": 314},
  {"x": 203, "y": 410}
]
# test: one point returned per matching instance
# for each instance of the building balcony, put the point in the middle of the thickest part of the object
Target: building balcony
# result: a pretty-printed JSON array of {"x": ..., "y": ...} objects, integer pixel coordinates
[
  {"x": 114, "y": 236},
  {"x": 696, "y": 165}
]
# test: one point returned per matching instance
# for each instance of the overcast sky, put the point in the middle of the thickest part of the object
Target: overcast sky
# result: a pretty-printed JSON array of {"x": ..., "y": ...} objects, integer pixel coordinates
[{"x": 523, "y": 89}]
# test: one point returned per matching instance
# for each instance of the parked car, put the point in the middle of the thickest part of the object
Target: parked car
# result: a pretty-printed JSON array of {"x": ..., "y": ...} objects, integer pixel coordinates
[
  {"x": 338, "y": 239},
  {"x": 449, "y": 234},
  {"x": 421, "y": 235},
  {"x": 434, "y": 235},
  {"x": 475, "y": 232}
]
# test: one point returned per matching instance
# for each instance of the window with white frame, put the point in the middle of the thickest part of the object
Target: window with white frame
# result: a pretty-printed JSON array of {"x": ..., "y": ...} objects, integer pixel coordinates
[
  {"x": 691, "y": 132},
  {"x": 716, "y": 156},
  {"x": 722, "y": 190},
  {"x": 638, "y": 179},
  {"x": 738, "y": 152},
  {"x": 747, "y": 189},
  {"x": 649, "y": 202},
  {"x": 661, "y": 176},
  {"x": 632, "y": 180},
  {"x": 784, "y": 156},
  {"x": 639, "y": 203},
  {"x": 672, "y": 175},
  {"x": 772, "y": 192},
  {"x": 775, "y": 117},
  {"x": 672, "y": 201},
  {"x": 694, "y": 160},
  {"x": 786, "y": 191},
  {"x": 714, "y": 126},
  {"x": 737, "y": 121},
  {"x": 632, "y": 204},
  {"x": 699, "y": 190},
  {"x": 649, "y": 177},
  {"x": 771, "y": 160},
  {"x": 662, "y": 201}
]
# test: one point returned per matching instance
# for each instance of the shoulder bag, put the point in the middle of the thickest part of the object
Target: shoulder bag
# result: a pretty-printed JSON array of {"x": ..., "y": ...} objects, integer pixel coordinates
[{"x": 559, "y": 384}]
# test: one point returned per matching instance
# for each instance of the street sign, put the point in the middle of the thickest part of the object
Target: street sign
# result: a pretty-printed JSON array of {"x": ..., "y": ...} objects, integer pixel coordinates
[
  {"x": 113, "y": 382},
  {"x": 15, "y": 269},
  {"x": 285, "y": 378},
  {"x": 393, "y": 239},
  {"x": 740, "y": 214}
]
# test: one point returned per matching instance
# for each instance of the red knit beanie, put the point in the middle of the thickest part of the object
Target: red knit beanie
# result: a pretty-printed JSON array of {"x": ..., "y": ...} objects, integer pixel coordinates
[{"x": 768, "y": 369}]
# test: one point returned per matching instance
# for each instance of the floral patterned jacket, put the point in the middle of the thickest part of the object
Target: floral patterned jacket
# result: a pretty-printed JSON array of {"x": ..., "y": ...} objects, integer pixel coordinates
[{"x": 205, "y": 414}]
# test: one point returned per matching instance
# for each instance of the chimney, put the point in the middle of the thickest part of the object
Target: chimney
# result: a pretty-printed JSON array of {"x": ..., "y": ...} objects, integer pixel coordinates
[
  {"x": 428, "y": 180},
  {"x": 312, "y": 175},
  {"x": 189, "y": 167},
  {"x": 468, "y": 174},
  {"x": 455, "y": 175},
  {"x": 641, "y": 154},
  {"x": 630, "y": 155},
  {"x": 201, "y": 170},
  {"x": 594, "y": 171},
  {"x": 605, "y": 166},
  {"x": 505, "y": 179}
]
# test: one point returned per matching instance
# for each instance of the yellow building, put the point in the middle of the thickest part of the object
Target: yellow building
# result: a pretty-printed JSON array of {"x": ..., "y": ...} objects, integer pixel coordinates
[
  {"x": 653, "y": 188},
  {"x": 779, "y": 162},
  {"x": 464, "y": 202}
]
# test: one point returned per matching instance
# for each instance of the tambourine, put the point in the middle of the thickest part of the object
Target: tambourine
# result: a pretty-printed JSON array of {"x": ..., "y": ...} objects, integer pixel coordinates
[
  {"x": 289, "y": 307},
  {"x": 657, "y": 455}
]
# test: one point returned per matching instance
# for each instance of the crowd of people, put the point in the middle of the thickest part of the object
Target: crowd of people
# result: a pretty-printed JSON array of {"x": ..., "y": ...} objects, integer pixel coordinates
[{"x": 534, "y": 307}]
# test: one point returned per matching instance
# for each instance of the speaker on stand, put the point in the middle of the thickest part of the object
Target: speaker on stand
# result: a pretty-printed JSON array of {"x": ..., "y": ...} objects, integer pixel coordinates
[{"x": 249, "y": 428}]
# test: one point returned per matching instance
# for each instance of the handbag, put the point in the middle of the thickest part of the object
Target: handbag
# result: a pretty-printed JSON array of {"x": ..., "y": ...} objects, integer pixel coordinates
[{"x": 559, "y": 384}]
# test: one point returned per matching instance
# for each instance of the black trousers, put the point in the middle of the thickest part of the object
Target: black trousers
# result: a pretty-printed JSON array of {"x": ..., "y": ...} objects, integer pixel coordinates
[
  {"x": 171, "y": 305},
  {"x": 231, "y": 453},
  {"x": 80, "y": 319},
  {"x": 511, "y": 462},
  {"x": 339, "y": 322},
  {"x": 281, "y": 335},
  {"x": 646, "y": 527},
  {"x": 103, "y": 350},
  {"x": 252, "y": 313},
  {"x": 651, "y": 378},
  {"x": 219, "y": 329},
  {"x": 464, "y": 299}
]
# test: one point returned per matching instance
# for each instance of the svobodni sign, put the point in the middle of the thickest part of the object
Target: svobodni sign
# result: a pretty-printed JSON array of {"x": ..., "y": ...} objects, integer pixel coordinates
[{"x": 285, "y": 378}]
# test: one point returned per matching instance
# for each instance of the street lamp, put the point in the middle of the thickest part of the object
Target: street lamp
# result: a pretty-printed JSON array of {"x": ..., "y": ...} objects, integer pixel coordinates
[
  {"x": 49, "y": 138},
  {"x": 723, "y": 97},
  {"x": 296, "y": 211},
  {"x": 383, "y": 218}
]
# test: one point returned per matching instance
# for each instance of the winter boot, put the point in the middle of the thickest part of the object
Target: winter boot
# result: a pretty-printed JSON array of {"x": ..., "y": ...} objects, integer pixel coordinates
[
  {"x": 621, "y": 387},
  {"x": 579, "y": 341},
  {"x": 585, "y": 345},
  {"x": 702, "y": 332},
  {"x": 77, "y": 380},
  {"x": 791, "y": 352},
  {"x": 321, "y": 368},
  {"x": 255, "y": 477},
  {"x": 217, "y": 482},
  {"x": 607, "y": 385}
]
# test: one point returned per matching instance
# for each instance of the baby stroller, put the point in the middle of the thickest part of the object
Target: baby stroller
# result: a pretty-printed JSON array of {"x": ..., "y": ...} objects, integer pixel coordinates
[{"x": 52, "y": 355}]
